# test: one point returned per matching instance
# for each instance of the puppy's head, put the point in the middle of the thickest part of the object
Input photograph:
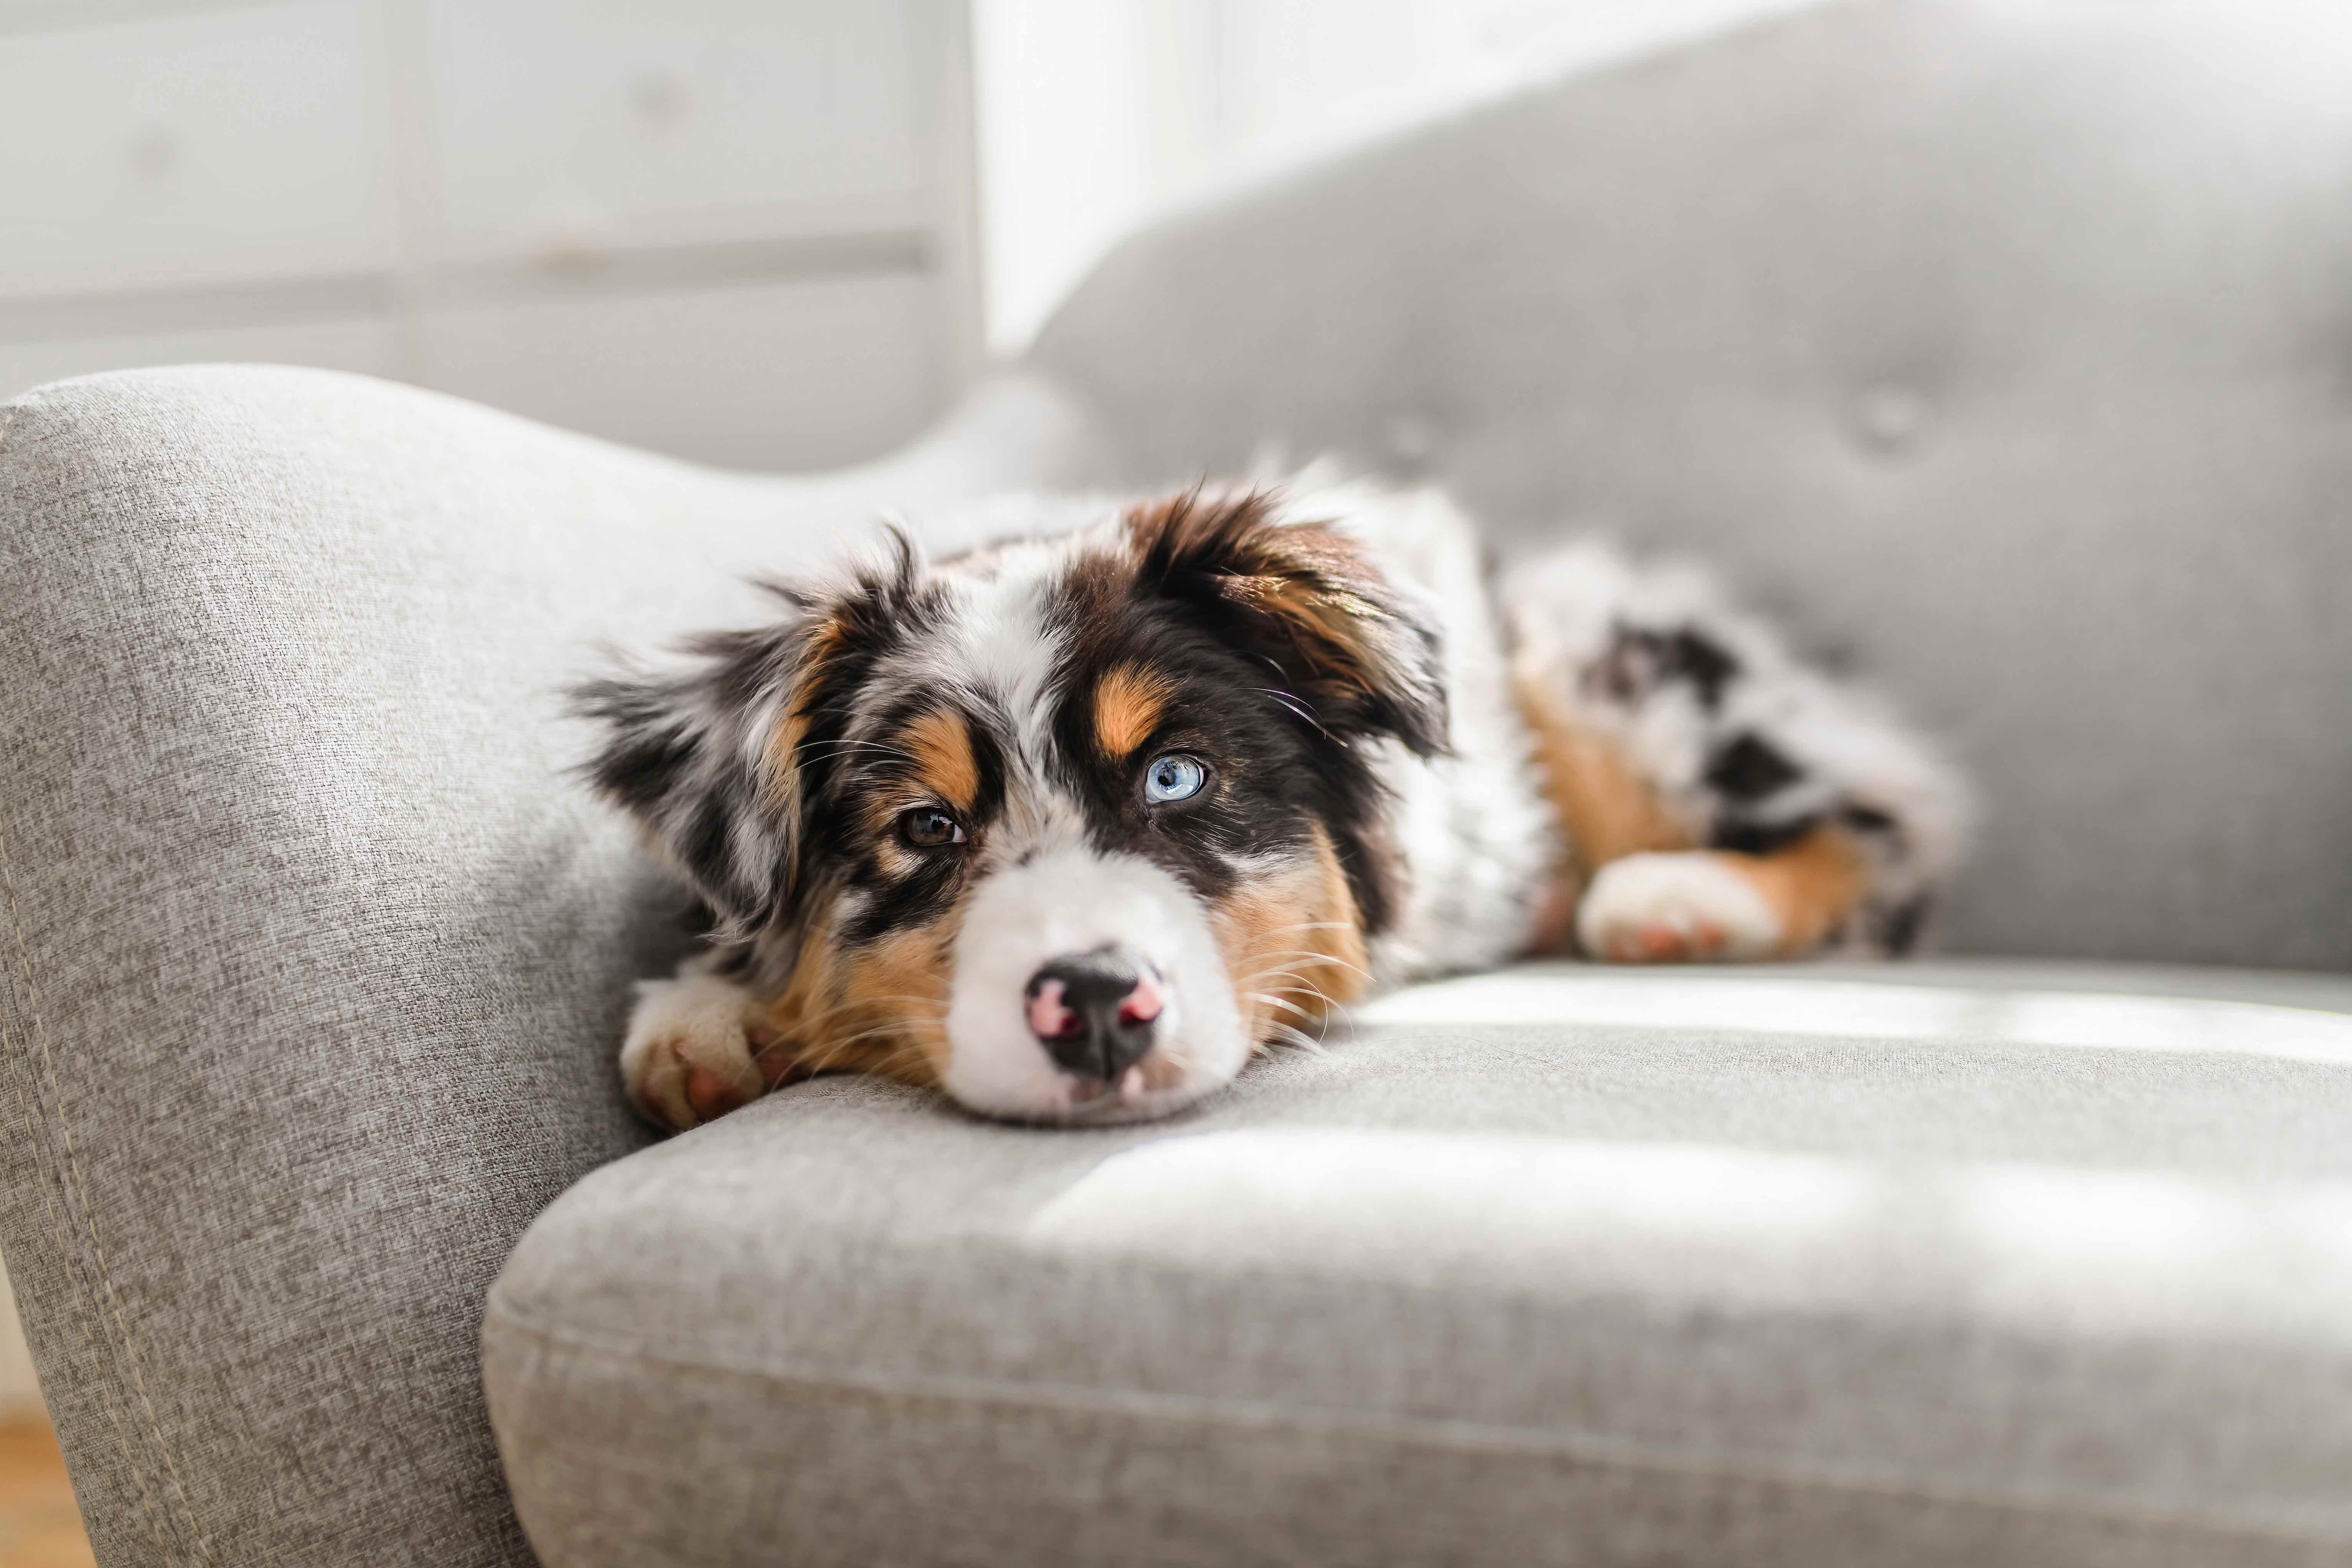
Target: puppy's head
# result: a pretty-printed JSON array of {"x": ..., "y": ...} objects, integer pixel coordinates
[{"x": 1068, "y": 827}]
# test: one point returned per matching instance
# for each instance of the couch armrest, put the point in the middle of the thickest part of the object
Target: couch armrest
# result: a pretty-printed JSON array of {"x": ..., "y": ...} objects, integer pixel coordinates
[{"x": 314, "y": 957}]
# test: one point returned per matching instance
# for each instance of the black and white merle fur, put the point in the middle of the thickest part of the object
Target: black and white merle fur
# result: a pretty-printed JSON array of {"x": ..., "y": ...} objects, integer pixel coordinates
[{"x": 1357, "y": 695}]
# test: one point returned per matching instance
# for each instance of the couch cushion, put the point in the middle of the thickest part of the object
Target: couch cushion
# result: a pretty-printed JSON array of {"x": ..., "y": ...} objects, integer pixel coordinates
[{"x": 1955, "y": 1263}]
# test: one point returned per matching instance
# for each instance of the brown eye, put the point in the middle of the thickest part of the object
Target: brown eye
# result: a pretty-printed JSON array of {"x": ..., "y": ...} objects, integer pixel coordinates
[{"x": 928, "y": 827}]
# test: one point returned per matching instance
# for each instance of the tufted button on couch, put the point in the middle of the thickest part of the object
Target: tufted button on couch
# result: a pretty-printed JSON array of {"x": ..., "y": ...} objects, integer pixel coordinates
[{"x": 2008, "y": 348}]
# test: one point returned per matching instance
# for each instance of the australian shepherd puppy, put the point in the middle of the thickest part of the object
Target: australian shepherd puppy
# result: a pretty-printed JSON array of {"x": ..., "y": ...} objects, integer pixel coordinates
[{"x": 1073, "y": 826}]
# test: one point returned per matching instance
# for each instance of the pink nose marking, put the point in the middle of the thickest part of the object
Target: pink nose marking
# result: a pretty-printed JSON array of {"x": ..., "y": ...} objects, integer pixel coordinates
[
  {"x": 1141, "y": 1004},
  {"x": 1048, "y": 1019}
]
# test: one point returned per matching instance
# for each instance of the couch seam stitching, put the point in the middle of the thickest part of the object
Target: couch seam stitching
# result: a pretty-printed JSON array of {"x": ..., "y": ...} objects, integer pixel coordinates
[
  {"x": 1214, "y": 1409},
  {"x": 79, "y": 1187}
]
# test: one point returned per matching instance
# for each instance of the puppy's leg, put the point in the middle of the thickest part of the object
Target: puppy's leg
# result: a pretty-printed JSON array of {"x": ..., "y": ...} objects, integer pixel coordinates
[
  {"x": 688, "y": 1057},
  {"x": 1720, "y": 799},
  {"x": 1719, "y": 903}
]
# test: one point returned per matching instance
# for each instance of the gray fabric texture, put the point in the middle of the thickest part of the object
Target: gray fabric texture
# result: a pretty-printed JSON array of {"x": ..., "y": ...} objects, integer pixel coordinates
[
  {"x": 315, "y": 958},
  {"x": 1818, "y": 1266},
  {"x": 2003, "y": 350}
]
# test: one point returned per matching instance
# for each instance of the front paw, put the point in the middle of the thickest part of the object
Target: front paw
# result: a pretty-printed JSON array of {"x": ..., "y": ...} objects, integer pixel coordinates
[
  {"x": 1658, "y": 908},
  {"x": 687, "y": 1058}
]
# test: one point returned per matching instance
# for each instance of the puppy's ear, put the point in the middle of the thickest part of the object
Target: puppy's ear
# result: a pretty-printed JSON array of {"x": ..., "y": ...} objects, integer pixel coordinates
[
  {"x": 1363, "y": 656},
  {"x": 693, "y": 756},
  {"x": 714, "y": 759}
]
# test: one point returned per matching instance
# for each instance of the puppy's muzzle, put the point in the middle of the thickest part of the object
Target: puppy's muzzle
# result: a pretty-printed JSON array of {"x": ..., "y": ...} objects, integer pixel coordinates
[{"x": 1095, "y": 1013}]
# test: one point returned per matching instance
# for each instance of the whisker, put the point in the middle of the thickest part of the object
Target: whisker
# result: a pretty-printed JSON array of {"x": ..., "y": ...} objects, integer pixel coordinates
[
  {"x": 1288, "y": 701},
  {"x": 818, "y": 1020},
  {"x": 1271, "y": 1001},
  {"x": 833, "y": 1051},
  {"x": 849, "y": 743},
  {"x": 837, "y": 748},
  {"x": 1291, "y": 1037},
  {"x": 1300, "y": 981},
  {"x": 1322, "y": 958},
  {"x": 939, "y": 1002},
  {"x": 922, "y": 1010}
]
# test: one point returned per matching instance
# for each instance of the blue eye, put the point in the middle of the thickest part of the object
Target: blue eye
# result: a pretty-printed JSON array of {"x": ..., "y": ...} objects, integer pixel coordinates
[{"x": 1172, "y": 778}]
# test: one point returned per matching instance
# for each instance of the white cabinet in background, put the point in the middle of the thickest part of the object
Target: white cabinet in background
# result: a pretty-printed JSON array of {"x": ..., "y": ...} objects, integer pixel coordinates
[
  {"x": 189, "y": 149},
  {"x": 739, "y": 231},
  {"x": 558, "y": 124}
]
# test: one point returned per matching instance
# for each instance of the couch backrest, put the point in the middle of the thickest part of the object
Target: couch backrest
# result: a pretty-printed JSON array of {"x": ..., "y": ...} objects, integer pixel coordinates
[{"x": 2005, "y": 348}]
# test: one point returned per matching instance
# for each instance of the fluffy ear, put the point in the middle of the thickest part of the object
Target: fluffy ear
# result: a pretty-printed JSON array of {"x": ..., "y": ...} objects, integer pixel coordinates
[
  {"x": 716, "y": 761},
  {"x": 692, "y": 755},
  {"x": 1358, "y": 651}
]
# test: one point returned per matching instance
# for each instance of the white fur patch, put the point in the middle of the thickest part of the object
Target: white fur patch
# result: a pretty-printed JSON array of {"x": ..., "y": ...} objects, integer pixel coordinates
[
  {"x": 1073, "y": 900},
  {"x": 1669, "y": 906},
  {"x": 695, "y": 1021},
  {"x": 1476, "y": 834}
]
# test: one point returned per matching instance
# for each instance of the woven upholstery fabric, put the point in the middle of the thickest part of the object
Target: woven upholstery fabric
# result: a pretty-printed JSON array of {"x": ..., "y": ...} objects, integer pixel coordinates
[
  {"x": 2005, "y": 351},
  {"x": 1937, "y": 1266},
  {"x": 315, "y": 957}
]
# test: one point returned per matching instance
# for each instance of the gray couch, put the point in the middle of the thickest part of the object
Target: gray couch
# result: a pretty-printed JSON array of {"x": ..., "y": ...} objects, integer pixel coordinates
[{"x": 2008, "y": 347}]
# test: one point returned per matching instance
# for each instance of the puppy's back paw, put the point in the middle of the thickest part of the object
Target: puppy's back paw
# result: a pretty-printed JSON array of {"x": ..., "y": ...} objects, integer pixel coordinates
[
  {"x": 1662, "y": 906},
  {"x": 687, "y": 1058}
]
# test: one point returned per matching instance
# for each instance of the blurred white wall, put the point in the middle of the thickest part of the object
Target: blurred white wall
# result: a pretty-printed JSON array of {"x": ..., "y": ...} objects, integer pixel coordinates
[{"x": 1096, "y": 116}]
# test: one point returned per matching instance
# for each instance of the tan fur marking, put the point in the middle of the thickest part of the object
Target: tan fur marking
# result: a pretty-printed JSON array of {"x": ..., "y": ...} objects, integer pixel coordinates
[
  {"x": 783, "y": 779},
  {"x": 898, "y": 984},
  {"x": 880, "y": 1008},
  {"x": 824, "y": 640},
  {"x": 1306, "y": 575},
  {"x": 941, "y": 743},
  {"x": 1294, "y": 944},
  {"x": 1607, "y": 810},
  {"x": 1812, "y": 885},
  {"x": 1128, "y": 702}
]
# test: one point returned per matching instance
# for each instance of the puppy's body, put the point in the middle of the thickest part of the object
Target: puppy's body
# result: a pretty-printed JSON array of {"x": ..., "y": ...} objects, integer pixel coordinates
[{"x": 1071, "y": 825}]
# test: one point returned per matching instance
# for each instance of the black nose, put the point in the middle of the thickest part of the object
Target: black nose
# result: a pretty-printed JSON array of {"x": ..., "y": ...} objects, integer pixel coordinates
[{"x": 1094, "y": 1012}]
